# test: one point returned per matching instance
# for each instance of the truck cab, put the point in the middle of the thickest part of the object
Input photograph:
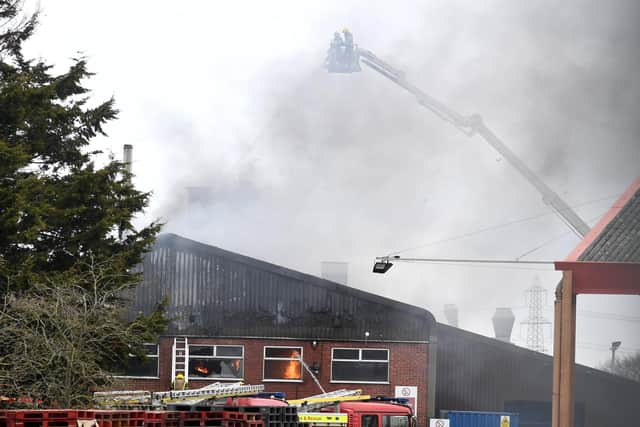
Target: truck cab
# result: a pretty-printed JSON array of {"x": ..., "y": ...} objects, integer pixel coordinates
[{"x": 377, "y": 414}]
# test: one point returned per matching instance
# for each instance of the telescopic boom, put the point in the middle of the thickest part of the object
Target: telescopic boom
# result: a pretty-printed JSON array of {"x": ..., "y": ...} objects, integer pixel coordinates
[{"x": 345, "y": 57}]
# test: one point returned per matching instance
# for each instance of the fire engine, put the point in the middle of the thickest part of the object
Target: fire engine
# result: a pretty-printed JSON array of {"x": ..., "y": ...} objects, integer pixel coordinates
[{"x": 340, "y": 408}]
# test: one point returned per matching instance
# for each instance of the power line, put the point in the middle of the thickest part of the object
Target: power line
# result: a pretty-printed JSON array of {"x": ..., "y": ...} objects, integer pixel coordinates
[
  {"x": 605, "y": 347},
  {"x": 495, "y": 227},
  {"x": 553, "y": 239},
  {"x": 601, "y": 315}
]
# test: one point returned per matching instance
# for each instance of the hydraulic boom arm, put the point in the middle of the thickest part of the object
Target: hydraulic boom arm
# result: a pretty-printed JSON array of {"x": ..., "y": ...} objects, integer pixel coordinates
[{"x": 346, "y": 58}]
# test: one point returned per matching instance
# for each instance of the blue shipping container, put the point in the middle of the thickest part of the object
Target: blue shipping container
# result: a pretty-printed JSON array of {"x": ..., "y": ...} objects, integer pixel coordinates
[{"x": 482, "y": 419}]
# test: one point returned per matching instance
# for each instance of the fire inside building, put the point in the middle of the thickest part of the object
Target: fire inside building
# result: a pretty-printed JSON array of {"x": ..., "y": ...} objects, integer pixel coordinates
[{"x": 236, "y": 318}]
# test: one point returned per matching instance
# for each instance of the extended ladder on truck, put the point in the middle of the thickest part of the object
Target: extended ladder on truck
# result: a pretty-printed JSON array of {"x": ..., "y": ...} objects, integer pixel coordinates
[
  {"x": 345, "y": 57},
  {"x": 209, "y": 392},
  {"x": 137, "y": 398}
]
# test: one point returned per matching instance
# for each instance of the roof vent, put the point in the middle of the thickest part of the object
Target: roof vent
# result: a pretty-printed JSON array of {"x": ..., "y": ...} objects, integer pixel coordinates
[
  {"x": 503, "y": 320},
  {"x": 451, "y": 314}
]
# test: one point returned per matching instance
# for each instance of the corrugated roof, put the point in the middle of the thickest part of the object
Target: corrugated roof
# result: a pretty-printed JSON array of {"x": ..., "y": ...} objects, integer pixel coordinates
[
  {"x": 214, "y": 292},
  {"x": 478, "y": 373},
  {"x": 619, "y": 241}
]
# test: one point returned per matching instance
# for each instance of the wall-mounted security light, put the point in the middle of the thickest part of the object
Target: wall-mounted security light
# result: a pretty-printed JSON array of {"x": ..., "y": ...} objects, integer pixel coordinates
[{"x": 315, "y": 368}]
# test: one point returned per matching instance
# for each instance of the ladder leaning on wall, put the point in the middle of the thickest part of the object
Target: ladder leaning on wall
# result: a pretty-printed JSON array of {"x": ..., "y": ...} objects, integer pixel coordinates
[{"x": 180, "y": 358}]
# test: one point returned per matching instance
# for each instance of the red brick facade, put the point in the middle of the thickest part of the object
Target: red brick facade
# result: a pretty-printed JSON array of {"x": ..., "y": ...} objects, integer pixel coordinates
[{"x": 407, "y": 367}]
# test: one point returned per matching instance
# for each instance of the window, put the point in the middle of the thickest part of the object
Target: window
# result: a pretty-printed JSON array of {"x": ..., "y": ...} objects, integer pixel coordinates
[
  {"x": 138, "y": 367},
  {"x": 364, "y": 365},
  {"x": 282, "y": 364},
  {"x": 395, "y": 421},
  {"x": 369, "y": 421},
  {"x": 216, "y": 361}
]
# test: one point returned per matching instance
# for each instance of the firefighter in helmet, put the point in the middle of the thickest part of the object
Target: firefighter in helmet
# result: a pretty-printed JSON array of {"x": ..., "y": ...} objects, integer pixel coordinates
[{"x": 179, "y": 383}]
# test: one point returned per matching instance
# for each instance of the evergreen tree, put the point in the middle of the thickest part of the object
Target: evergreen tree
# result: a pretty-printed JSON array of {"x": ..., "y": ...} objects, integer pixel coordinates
[
  {"x": 67, "y": 244},
  {"x": 57, "y": 209}
]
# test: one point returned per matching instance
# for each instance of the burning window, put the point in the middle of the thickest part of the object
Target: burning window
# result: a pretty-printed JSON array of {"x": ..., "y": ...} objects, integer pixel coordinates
[
  {"x": 216, "y": 361},
  {"x": 282, "y": 364},
  {"x": 142, "y": 367},
  {"x": 365, "y": 365}
]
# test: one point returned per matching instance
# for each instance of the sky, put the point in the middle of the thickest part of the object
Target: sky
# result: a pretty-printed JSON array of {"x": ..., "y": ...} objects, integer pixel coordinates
[{"x": 303, "y": 166}]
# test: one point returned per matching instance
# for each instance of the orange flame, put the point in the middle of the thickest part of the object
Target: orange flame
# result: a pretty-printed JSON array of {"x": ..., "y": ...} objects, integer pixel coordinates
[
  {"x": 293, "y": 369},
  {"x": 202, "y": 369}
]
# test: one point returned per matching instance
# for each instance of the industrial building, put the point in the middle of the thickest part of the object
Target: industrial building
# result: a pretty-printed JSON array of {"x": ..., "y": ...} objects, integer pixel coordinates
[
  {"x": 477, "y": 373},
  {"x": 239, "y": 318}
]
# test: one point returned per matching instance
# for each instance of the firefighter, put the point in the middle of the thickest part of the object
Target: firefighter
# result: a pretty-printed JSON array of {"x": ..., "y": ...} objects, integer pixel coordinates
[
  {"x": 179, "y": 383},
  {"x": 348, "y": 49},
  {"x": 337, "y": 41},
  {"x": 334, "y": 56}
]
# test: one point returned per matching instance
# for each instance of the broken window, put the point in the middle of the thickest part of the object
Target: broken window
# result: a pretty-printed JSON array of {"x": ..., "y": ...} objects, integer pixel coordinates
[
  {"x": 361, "y": 365},
  {"x": 142, "y": 367},
  {"x": 216, "y": 361},
  {"x": 282, "y": 364}
]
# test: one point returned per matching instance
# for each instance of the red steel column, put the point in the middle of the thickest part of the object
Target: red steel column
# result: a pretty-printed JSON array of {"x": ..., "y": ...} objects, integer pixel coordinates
[
  {"x": 557, "y": 333},
  {"x": 564, "y": 356}
]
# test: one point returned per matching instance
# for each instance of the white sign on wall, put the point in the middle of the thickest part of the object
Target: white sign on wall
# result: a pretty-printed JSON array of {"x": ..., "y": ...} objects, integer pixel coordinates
[
  {"x": 410, "y": 393},
  {"x": 437, "y": 422}
]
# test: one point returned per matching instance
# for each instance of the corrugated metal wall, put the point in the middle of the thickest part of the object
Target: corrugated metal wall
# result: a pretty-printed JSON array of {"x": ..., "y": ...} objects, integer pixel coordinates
[
  {"x": 213, "y": 292},
  {"x": 476, "y": 373}
]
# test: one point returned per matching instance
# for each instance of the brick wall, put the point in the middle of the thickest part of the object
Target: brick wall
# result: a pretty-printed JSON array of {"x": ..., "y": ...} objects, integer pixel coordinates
[{"x": 407, "y": 367}]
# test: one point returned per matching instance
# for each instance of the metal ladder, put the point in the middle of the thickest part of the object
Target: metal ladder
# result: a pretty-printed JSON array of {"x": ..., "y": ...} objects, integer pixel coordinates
[
  {"x": 180, "y": 359},
  {"x": 319, "y": 401},
  {"x": 208, "y": 392}
]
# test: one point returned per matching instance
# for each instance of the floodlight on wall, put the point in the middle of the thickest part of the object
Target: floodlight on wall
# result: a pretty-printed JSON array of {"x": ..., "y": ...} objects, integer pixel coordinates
[{"x": 314, "y": 344}]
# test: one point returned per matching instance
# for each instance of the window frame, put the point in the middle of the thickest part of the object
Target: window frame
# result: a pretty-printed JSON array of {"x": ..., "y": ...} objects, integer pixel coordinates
[
  {"x": 360, "y": 360},
  {"x": 214, "y": 356},
  {"x": 148, "y": 356},
  {"x": 377, "y": 417},
  {"x": 386, "y": 420},
  {"x": 283, "y": 380}
]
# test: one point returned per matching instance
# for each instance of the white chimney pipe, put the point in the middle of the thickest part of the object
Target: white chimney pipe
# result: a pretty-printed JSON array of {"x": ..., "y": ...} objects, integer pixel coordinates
[{"x": 127, "y": 157}]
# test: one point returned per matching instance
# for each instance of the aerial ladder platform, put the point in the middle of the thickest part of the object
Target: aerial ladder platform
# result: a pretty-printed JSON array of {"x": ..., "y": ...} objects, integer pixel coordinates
[{"x": 345, "y": 56}]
